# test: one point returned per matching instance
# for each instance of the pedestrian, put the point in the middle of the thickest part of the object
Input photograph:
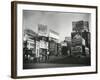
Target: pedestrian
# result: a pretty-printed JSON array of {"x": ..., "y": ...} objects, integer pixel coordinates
[{"x": 47, "y": 54}]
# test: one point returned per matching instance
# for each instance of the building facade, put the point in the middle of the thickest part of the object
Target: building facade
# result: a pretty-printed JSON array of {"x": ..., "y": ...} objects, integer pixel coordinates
[{"x": 80, "y": 38}]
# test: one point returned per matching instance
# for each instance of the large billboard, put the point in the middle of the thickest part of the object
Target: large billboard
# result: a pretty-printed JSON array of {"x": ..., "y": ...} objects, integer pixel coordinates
[
  {"x": 53, "y": 34},
  {"x": 76, "y": 42},
  {"x": 80, "y": 26},
  {"x": 42, "y": 30},
  {"x": 76, "y": 39}
]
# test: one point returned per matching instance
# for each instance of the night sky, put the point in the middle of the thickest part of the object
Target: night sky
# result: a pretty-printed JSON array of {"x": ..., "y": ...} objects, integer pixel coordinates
[{"x": 60, "y": 22}]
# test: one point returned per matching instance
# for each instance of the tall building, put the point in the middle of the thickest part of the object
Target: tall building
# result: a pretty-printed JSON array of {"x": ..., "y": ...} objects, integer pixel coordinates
[{"x": 80, "y": 37}]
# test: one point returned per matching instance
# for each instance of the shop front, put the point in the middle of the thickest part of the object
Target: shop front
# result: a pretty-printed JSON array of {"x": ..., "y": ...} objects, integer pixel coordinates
[{"x": 29, "y": 46}]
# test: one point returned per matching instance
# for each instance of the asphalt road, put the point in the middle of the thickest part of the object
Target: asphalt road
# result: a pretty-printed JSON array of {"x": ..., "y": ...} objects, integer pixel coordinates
[{"x": 59, "y": 61}]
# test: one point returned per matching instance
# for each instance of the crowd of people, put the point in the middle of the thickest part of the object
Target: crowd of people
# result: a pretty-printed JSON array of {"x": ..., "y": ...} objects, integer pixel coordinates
[{"x": 44, "y": 54}]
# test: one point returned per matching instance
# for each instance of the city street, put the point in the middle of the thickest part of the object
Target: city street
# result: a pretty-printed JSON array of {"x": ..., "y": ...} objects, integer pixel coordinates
[{"x": 60, "y": 61}]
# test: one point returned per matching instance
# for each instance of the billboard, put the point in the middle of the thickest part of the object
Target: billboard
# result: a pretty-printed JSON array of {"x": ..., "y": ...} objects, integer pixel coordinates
[
  {"x": 76, "y": 42},
  {"x": 80, "y": 26},
  {"x": 76, "y": 49},
  {"x": 76, "y": 38},
  {"x": 53, "y": 34},
  {"x": 42, "y": 30}
]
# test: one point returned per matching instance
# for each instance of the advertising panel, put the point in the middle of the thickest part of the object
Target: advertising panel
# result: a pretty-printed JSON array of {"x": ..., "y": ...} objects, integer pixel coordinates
[
  {"x": 42, "y": 30},
  {"x": 80, "y": 26},
  {"x": 76, "y": 42}
]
